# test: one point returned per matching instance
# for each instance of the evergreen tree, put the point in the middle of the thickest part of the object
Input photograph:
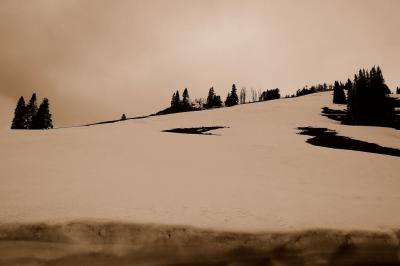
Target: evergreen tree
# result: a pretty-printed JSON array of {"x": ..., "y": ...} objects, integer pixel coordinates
[
  {"x": 31, "y": 110},
  {"x": 43, "y": 119},
  {"x": 185, "y": 98},
  {"x": 398, "y": 90},
  {"x": 228, "y": 99},
  {"x": 348, "y": 85},
  {"x": 173, "y": 100},
  {"x": 210, "y": 98},
  {"x": 177, "y": 99},
  {"x": 338, "y": 93},
  {"x": 123, "y": 117},
  {"x": 217, "y": 102},
  {"x": 232, "y": 98},
  {"x": 19, "y": 121}
]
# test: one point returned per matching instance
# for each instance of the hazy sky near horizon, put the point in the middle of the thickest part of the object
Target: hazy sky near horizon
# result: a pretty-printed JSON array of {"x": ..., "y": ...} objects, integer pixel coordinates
[{"x": 97, "y": 59}]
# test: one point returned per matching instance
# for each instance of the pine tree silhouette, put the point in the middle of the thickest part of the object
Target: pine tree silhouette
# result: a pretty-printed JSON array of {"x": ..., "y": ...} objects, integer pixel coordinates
[
  {"x": 228, "y": 99},
  {"x": 232, "y": 98},
  {"x": 217, "y": 102},
  {"x": 185, "y": 98},
  {"x": 210, "y": 98},
  {"x": 43, "y": 119},
  {"x": 213, "y": 100},
  {"x": 123, "y": 117},
  {"x": 348, "y": 85},
  {"x": 31, "y": 111},
  {"x": 19, "y": 121},
  {"x": 339, "y": 96},
  {"x": 177, "y": 100},
  {"x": 173, "y": 103},
  {"x": 234, "y": 95}
]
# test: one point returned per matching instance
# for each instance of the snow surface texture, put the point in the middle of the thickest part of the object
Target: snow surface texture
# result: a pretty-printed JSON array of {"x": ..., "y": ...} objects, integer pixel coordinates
[{"x": 256, "y": 175}]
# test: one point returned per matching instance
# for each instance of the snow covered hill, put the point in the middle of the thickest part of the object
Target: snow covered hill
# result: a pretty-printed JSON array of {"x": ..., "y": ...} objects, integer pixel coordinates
[{"x": 256, "y": 174}]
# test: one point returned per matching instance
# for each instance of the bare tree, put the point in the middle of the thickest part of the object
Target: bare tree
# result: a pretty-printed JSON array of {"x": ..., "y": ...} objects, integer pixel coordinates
[
  {"x": 199, "y": 103},
  {"x": 254, "y": 97},
  {"x": 242, "y": 96}
]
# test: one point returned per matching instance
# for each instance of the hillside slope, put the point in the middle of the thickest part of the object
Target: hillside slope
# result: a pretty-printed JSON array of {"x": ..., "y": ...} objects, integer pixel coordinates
[{"x": 258, "y": 174}]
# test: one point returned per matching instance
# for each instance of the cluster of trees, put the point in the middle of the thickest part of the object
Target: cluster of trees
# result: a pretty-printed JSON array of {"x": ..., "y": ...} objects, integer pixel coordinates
[
  {"x": 30, "y": 116},
  {"x": 313, "y": 89},
  {"x": 213, "y": 100},
  {"x": 179, "y": 105},
  {"x": 339, "y": 95},
  {"x": 368, "y": 100},
  {"x": 270, "y": 95}
]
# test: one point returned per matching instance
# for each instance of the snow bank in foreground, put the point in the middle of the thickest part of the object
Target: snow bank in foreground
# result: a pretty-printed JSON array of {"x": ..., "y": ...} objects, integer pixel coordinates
[{"x": 88, "y": 243}]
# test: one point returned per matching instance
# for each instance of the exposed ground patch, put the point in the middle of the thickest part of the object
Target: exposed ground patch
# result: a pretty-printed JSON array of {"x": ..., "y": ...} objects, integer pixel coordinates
[
  {"x": 341, "y": 116},
  {"x": 194, "y": 130},
  {"x": 328, "y": 138}
]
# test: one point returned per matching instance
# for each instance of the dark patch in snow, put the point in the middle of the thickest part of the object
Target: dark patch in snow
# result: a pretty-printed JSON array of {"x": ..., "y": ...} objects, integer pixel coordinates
[
  {"x": 324, "y": 137},
  {"x": 337, "y": 115},
  {"x": 341, "y": 116},
  {"x": 194, "y": 130}
]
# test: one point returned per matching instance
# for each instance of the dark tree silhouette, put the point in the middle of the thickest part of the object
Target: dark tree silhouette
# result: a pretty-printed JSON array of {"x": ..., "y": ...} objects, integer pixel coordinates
[
  {"x": 213, "y": 100},
  {"x": 313, "y": 89},
  {"x": 270, "y": 95},
  {"x": 123, "y": 117},
  {"x": 368, "y": 100},
  {"x": 19, "y": 121},
  {"x": 232, "y": 98},
  {"x": 43, "y": 119},
  {"x": 210, "y": 98},
  {"x": 31, "y": 110},
  {"x": 173, "y": 100},
  {"x": 185, "y": 98},
  {"x": 398, "y": 90},
  {"x": 228, "y": 99},
  {"x": 178, "y": 105},
  {"x": 217, "y": 102},
  {"x": 349, "y": 85},
  {"x": 338, "y": 93},
  {"x": 177, "y": 100}
]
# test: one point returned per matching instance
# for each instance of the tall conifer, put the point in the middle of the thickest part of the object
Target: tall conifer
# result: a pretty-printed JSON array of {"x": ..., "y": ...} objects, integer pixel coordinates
[{"x": 19, "y": 121}]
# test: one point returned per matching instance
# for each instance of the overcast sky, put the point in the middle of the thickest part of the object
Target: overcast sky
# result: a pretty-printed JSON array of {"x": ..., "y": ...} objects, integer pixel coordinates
[{"x": 96, "y": 59}]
